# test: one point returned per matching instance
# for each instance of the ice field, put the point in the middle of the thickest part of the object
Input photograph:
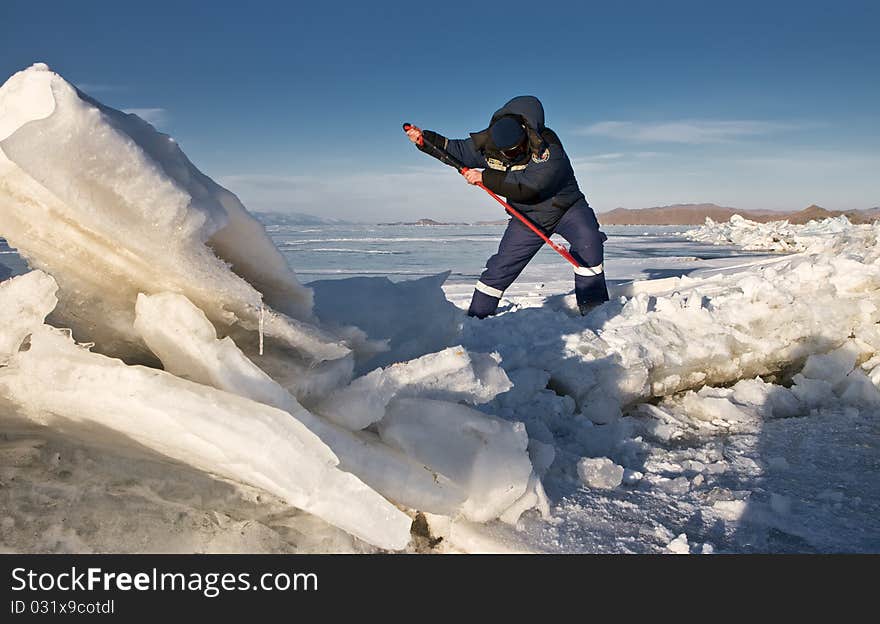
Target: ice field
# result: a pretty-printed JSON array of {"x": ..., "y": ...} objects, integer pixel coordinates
[{"x": 176, "y": 378}]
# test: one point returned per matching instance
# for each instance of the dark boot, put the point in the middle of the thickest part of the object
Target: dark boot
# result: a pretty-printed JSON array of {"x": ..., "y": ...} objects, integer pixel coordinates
[
  {"x": 483, "y": 305},
  {"x": 586, "y": 308}
]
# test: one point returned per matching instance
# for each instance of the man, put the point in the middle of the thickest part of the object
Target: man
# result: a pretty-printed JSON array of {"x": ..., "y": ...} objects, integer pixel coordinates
[{"x": 525, "y": 162}]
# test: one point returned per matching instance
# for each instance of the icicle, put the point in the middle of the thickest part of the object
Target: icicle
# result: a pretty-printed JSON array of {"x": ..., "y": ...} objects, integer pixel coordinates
[{"x": 261, "y": 328}]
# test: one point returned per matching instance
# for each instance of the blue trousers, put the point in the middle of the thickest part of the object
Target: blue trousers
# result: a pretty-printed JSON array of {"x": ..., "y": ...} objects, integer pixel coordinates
[{"x": 519, "y": 245}]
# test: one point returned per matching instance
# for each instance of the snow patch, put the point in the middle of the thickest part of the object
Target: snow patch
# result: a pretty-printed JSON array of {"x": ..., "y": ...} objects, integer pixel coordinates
[{"x": 771, "y": 236}]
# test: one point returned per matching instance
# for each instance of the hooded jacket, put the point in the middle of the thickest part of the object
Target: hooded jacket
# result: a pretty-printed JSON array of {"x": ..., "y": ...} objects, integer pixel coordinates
[{"x": 540, "y": 185}]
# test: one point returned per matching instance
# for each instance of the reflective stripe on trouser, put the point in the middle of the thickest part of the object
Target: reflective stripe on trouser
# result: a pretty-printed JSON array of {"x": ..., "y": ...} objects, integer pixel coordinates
[
  {"x": 485, "y": 300},
  {"x": 589, "y": 284},
  {"x": 519, "y": 245},
  {"x": 581, "y": 229},
  {"x": 488, "y": 290},
  {"x": 585, "y": 270}
]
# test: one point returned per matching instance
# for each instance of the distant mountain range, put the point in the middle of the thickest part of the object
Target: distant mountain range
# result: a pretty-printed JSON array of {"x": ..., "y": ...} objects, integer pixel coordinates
[
  {"x": 422, "y": 222},
  {"x": 676, "y": 214},
  {"x": 294, "y": 218},
  {"x": 695, "y": 214}
]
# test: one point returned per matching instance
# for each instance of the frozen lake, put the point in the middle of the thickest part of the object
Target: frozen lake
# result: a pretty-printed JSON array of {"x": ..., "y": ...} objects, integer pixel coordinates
[
  {"x": 401, "y": 252},
  {"x": 409, "y": 252},
  {"x": 728, "y": 410}
]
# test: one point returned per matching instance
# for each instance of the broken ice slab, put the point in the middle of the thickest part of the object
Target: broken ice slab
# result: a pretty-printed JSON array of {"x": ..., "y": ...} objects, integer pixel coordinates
[
  {"x": 485, "y": 455},
  {"x": 26, "y": 301},
  {"x": 600, "y": 472},
  {"x": 182, "y": 337},
  {"x": 56, "y": 381},
  {"x": 453, "y": 374},
  {"x": 111, "y": 208}
]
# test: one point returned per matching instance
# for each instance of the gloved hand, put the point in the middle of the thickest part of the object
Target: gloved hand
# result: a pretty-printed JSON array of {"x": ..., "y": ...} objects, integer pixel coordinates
[
  {"x": 435, "y": 139},
  {"x": 473, "y": 176},
  {"x": 415, "y": 134}
]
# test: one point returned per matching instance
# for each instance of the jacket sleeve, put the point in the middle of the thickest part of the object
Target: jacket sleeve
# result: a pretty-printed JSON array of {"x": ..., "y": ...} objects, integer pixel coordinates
[
  {"x": 461, "y": 149},
  {"x": 465, "y": 151},
  {"x": 535, "y": 183}
]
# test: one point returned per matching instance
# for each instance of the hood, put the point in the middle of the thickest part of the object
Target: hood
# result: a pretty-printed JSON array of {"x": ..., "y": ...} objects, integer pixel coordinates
[
  {"x": 530, "y": 109},
  {"x": 526, "y": 106}
]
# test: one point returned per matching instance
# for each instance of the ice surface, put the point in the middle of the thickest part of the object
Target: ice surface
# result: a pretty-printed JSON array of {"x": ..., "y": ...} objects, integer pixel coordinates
[
  {"x": 771, "y": 236},
  {"x": 709, "y": 331},
  {"x": 450, "y": 375},
  {"x": 96, "y": 197},
  {"x": 718, "y": 398},
  {"x": 534, "y": 498},
  {"x": 55, "y": 381},
  {"x": 26, "y": 301},
  {"x": 183, "y": 338},
  {"x": 600, "y": 472},
  {"x": 413, "y": 316},
  {"x": 70, "y": 491},
  {"x": 780, "y": 504},
  {"x": 486, "y": 455},
  {"x": 156, "y": 262},
  {"x": 729, "y": 509},
  {"x": 631, "y": 477},
  {"x": 679, "y": 545},
  {"x": 825, "y": 381},
  {"x": 812, "y": 392},
  {"x": 716, "y": 349},
  {"x": 832, "y": 367},
  {"x": 859, "y": 389}
]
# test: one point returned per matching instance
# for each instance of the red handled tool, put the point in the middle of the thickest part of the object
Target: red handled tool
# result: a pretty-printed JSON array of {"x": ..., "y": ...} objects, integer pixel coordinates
[{"x": 447, "y": 158}]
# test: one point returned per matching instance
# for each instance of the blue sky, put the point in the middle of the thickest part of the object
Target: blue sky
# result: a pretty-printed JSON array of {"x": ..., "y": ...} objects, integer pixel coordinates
[{"x": 298, "y": 106}]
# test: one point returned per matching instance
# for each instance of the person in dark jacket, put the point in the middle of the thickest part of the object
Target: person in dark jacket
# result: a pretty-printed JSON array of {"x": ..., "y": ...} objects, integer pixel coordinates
[{"x": 524, "y": 161}]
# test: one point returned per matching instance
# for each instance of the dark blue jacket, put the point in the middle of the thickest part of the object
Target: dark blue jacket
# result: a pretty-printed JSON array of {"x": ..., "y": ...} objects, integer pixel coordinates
[{"x": 542, "y": 185}]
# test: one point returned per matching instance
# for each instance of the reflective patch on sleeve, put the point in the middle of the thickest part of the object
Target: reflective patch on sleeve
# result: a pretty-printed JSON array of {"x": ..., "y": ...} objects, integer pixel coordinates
[
  {"x": 488, "y": 290},
  {"x": 596, "y": 270},
  {"x": 496, "y": 164}
]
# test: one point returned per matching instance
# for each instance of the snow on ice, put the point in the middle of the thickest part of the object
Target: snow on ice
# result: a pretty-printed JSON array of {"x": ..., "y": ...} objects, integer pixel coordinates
[
  {"x": 735, "y": 410},
  {"x": 772, "y": 236}
]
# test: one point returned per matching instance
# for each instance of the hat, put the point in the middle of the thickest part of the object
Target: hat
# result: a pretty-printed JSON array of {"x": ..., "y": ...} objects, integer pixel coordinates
[{"x": 507, "y": 132}]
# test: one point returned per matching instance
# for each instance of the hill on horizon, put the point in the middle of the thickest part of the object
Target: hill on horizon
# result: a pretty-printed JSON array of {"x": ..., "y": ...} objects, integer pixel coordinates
[
  {"x": 674, "y": 214},
  {"x": 294, "y": 218},
  {"x": 695, "y": 214}
]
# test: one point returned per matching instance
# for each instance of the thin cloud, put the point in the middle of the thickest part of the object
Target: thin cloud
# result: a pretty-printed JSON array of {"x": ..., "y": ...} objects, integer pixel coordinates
[
  {"x": 774, "y": 179},
  {"x": 265, "y": 181},
  {"x": 611, "y": 161},
  {"x": 154, "y": 116},
  {"x": 813, "y": 163},
  {"x": 365, "y": 196},
  {"x": 693, "y": 132}
]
